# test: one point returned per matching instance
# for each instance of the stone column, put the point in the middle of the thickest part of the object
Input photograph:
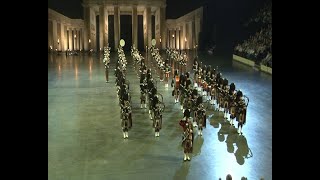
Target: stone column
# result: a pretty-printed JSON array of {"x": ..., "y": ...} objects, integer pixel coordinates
[
  {"x": 178, "y": 39},
  {"x": 93, "y": 31},
  {"x": 168, "y": 38},
  {"x": 77, "y": 40},
  {"x": 65, "y": 39},
  {"x": 157, "y": 29},
  {"x": 70, "y": 40},
  {"x": 81, "y": 39},
  {"x": 189, "y": 30},
  {"x": 174, "y": 39},
  {"x": 116, "y": 26},
  {"x": 50, "y": 34},
  {"x": 134, "y": 26},
  {"x": 163, "y": 27},
  {"x": 59, "y": 43},
  {"x": 181, "y": 37},
  {"x": 186, "y": 36},
  {"x": 74, "y": 39},
  {"x": 86, "y": 33},
  {"x": 106, "y": 27},
  {"x": 101, "y": 26},
  {"x": 55, "y": 38},
  {"x": 149, "y": 23},
  {"x": 145, "y": 38}
]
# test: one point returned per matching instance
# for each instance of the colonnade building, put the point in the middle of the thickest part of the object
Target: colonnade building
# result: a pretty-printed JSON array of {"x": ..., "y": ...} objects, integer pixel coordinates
[{"x": 89, "y": 34}]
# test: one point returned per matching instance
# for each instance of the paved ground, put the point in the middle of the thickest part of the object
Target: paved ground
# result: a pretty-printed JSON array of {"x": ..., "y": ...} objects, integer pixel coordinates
[{"x": 85, "y": 139}]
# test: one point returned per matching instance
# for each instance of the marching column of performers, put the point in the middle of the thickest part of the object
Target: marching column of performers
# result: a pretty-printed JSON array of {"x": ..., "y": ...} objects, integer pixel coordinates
[
  {"x": 164, "y": 67},
  {"x": 137, "y": 58},
  {"x": 208, "y": 86},
  {"x": 150, "y": 96},
  {"x": 123, "y": 93},
  {"x": 106, "y": 61},
  {"x": 159, "y": 61},
  {"x": 221, "y": 94},
  {"x": 177, "y": 59}
]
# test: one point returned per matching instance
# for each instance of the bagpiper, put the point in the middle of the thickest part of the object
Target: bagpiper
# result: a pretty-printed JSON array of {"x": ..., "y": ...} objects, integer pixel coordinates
[
  {"x": 187, "y": 140},
  {"x": 157, "y": 120},
  {"x": 176, "y": 85},
  {"x": 126, "y": 122},
  {"x": 106, "y": 61}
]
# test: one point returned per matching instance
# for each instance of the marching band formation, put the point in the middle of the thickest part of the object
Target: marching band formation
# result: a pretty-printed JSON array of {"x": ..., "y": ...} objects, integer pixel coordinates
[
  {"x": 148, "y": 91},
  {"x": 123, "y": 93},
  {"x": 207, "y": 89}
]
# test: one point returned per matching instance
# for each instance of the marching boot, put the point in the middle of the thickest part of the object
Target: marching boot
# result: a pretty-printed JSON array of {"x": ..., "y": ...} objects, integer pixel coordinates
[
  {"x": 124, "y": 135},
  {"x": 127, "y": 135},
  {"x": 188, "y": 157},
  {"x": 195, "y": 124},
  {"x": 140, "y": 106},
  {"x": 158, "y": 133},
  {"x": 231, "y": 121},
  {"x": 145, "y": 106},
  {"x": 239, "y": 130},
  {"x": 185, "y": 157},
  {"x": 181, "y": 107},
  {"x": 200, "y": 132},
  {"x": 183, "y": 110},
  {"x": 155, "y": 134},
  {"x": 149, "y": 111},
  {"x": 211, "y": 102}
]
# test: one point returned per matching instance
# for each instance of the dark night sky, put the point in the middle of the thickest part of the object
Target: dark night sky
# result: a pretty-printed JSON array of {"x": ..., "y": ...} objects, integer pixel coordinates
[
  {"x": 175, "y": 8},
  {"x": 70, "y": 8},
  {"x": 74, "y": 10}
]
